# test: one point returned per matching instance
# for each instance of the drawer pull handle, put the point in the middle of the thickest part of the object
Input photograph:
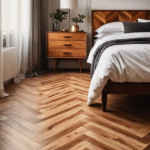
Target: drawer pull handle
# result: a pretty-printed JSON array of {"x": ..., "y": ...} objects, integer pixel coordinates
[
  {"x": 67, "y": 44},
  {"x": 67, "y": 53},
  {"x": 67, "y": 36}
]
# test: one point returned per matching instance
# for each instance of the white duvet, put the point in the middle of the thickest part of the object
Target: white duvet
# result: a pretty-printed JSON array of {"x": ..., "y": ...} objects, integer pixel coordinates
[{"x": 121, "y": 63}]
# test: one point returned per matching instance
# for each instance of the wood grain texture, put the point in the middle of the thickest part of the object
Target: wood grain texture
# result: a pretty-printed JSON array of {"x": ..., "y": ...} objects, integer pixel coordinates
[
  {"x": 67, "y": 36},
  {"x": 101, "y": 17},
  {"x": 67, "y": 44},
  {"x": 50, "y": 112},
  {"x": 66, "y": 53}
]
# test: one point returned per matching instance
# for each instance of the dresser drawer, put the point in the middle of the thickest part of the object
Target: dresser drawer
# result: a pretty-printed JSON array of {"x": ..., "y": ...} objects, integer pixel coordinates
[
  {"x": 66, "y": 53},
  {"x": 67, "y": 44},
  {"x": 52, "y": 36}
]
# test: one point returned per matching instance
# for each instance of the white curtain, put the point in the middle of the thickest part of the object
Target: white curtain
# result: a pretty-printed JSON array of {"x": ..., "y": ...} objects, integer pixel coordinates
[
  {"x": 15, "y": 32},
  {"x": 2, "y": 92}
]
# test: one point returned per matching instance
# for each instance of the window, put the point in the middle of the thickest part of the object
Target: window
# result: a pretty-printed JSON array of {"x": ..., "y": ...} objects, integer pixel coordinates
[{"x": 9, "y": 21}]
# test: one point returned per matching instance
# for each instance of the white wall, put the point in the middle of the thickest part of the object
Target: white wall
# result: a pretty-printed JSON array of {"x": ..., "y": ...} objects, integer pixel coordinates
[{"x": 120, "y": 4}]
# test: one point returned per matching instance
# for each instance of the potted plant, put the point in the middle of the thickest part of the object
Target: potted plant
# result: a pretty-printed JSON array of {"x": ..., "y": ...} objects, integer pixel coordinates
[
  {"x": 58, "y": 17},
  {"x": 79, "y": 19}
]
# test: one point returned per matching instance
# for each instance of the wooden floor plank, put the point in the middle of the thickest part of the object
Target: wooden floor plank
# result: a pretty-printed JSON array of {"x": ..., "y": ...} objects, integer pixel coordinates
[
  {"x": 2, "y": 118},
  {"x": 108, "y": 143},
  {"x": 59, "y": 127},
  {"x": 50, "y": 112},
  {"x": 20, "y": 128},
  {"x": 52, "y": 121},
  {"x": 4, "y": 146},
  {"x": 22, "y": 121},
  {"x": 19, "y": 136},
  {"x": 81, "y": 145},
  {"x": 53, "y": 111},
  {"x": 93, "y": 147},
  {"x": 65, "y": 139},
  {"x": 114, "y": 135},
  {"x": 12, "y": 142}
]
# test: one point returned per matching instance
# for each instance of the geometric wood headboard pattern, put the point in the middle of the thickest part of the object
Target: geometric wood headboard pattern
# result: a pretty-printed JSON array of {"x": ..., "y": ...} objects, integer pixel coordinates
[{"x": 101, "y": 17}]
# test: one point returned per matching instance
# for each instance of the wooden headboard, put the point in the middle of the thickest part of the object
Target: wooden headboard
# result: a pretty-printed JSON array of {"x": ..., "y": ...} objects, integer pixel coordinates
[{"x": 101, "y": 17}]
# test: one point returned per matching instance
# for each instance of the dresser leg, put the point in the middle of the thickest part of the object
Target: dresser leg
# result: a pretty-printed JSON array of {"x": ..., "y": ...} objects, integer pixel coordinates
[
  {"x": 47, "y": 64},
  {"x": 55, "y": 65},
  {"x": 80, "y": 65}
]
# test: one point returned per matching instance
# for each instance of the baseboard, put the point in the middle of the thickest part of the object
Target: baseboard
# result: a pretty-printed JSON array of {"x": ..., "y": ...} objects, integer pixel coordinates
[
  {"x": 67, "y": 70},
  {"x": 7, "y": 82}
]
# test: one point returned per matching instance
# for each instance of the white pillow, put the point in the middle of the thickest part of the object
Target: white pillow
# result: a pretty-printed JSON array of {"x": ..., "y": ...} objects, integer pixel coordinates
[
  {"x": 143, "y": 20},
  {"x": 102, "y": 35},
  {"x": 111, "y": 27}
]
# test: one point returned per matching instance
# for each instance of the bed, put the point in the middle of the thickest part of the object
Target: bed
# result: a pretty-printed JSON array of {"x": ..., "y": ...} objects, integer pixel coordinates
[{"x": 132, "y": 86}]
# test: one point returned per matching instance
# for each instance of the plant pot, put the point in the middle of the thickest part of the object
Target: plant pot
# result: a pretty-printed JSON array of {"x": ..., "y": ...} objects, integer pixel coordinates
[
  {"x": 75, "y": 28},
  {"x": 56, "y": 26}
]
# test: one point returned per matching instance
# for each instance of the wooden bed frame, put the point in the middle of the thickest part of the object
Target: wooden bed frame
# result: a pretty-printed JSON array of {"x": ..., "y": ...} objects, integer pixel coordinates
[{"x": 101, "y": 17}]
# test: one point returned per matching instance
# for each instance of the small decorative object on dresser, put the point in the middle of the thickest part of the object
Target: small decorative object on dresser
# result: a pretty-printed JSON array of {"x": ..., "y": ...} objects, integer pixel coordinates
[
  {"x": 58, "y": 17},
  {"x": 66, "y": 45},
  {"x": 79, "y": 19}
]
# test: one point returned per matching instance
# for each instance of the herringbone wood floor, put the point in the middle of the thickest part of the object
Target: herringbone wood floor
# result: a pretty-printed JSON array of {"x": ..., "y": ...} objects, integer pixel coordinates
[{"x": 50, "y": 112}]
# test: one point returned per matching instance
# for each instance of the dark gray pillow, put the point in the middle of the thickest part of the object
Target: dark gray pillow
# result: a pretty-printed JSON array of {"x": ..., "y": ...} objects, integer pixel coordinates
[{"x": 130, "y": 27}]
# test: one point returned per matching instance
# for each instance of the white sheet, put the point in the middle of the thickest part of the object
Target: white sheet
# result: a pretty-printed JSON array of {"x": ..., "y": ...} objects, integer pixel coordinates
[{"x": 120, "y": 63}]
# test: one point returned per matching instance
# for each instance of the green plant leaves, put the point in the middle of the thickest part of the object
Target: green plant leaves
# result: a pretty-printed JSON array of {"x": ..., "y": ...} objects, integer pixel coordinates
[
  {"x": 59, "y": 15},
  {"x": 79, "y": 19}
]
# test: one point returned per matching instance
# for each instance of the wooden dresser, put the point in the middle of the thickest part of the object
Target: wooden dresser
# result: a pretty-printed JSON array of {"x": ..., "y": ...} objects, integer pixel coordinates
[{"x": 66, "y": 45}]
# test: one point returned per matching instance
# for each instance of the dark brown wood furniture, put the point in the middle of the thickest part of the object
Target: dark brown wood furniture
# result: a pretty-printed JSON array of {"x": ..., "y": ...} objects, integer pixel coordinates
[
  {"x": 101, "y": 17},
  {"x": 64, "y": 45}
]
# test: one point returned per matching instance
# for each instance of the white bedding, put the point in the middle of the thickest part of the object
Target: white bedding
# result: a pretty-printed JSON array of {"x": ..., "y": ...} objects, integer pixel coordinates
[{"x": 120, "y": 63}]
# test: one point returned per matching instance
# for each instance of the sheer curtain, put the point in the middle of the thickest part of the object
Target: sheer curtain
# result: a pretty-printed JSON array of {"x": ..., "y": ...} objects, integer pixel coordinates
[
  {"x": 2, "y": 92},
  {"x": 15, "y": 30}
]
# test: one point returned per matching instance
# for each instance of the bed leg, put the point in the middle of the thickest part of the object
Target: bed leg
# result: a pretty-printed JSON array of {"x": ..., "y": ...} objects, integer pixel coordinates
[{"x": 104, "y": 100}]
